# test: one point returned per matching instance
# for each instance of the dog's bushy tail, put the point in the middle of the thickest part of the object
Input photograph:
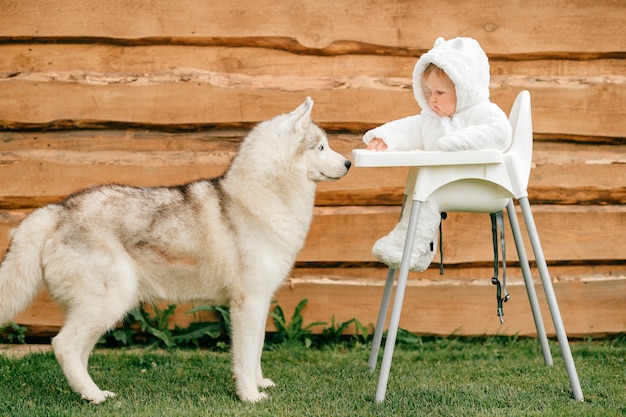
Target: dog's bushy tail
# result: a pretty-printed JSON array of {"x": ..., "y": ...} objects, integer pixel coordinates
[{"x": 21, "y": 273}]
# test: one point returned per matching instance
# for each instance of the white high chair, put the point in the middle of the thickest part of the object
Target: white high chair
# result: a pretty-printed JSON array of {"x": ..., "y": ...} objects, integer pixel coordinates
[{"x": 484, "y": 181}]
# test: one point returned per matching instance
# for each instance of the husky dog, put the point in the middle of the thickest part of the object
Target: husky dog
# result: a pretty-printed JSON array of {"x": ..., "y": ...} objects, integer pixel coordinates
[{"x": 230, "y": 240}]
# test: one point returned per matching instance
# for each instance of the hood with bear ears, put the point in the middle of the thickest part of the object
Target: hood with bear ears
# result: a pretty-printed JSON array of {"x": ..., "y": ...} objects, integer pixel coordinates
[{"x": 464, "y": 61}]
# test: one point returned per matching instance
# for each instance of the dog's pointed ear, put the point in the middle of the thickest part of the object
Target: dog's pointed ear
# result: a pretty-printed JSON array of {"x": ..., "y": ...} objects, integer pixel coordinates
[{"x": 302, "y": 116}]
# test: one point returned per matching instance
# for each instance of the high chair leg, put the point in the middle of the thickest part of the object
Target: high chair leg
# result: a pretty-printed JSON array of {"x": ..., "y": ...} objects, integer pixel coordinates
[
  {"x": 382, "y": 316},
  {"x": 394, "y": 321},
  {"x": 551, "y": 298},
  {"x": 530, "y": 286}
]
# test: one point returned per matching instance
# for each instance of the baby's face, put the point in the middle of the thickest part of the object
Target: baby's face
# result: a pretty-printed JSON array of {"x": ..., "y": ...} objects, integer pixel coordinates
[{"x": 441, "y": 94}]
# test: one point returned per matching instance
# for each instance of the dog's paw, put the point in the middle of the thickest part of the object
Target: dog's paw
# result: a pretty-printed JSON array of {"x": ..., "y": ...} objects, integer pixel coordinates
[
  {"x": 108, "y": 394},
  {"x": 265, "y": 382},
  {"x": 97, "y": 397},
  {"x": 253, "y": 397}
]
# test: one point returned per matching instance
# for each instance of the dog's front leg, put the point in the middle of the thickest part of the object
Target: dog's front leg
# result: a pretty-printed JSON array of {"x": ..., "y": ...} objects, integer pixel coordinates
[
  {"x": 260, "y": 381},
  {"x": 248, "y": 315}
]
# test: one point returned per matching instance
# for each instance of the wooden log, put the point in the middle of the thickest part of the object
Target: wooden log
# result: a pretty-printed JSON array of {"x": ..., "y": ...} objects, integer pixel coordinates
[
  {"x": 526, "y": 30},
  {"x": 46, "y": 166},
  {"x": 346, "y": 234},
  {"x": 558, "y": 101},
  {"x": 462, "y": 273},
  {"x": 563, "y": 105},
  {"x": 217, "y": 141},
  {"x": 137, "y": 61},
  {"x": 568, "y": 233},
  {"x": 590, "y": 306},
  {"x": 587, "y": 307}
]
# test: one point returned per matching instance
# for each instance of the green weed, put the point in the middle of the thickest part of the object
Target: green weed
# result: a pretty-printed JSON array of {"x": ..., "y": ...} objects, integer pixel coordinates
[
  {"x": 13, "y": 333},
  {"x": 293, "y": 331}
]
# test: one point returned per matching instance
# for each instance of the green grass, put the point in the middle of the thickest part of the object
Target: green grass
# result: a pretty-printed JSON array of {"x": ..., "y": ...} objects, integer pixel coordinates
[{"x": 433, "y": 377}]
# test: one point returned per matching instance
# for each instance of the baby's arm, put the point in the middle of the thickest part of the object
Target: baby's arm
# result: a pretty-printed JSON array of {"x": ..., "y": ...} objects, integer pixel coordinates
[{"x": 399, "y": 134}]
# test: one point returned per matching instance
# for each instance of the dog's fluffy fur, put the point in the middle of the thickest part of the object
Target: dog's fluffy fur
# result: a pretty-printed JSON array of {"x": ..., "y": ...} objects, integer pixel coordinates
[{"x": 230, "y": 240}]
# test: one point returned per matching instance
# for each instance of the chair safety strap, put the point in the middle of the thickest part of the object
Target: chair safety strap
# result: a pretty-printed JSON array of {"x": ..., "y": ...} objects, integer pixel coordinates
[
  {"x": 444, "y": 215},
  {"x": 502, "y": 296}
]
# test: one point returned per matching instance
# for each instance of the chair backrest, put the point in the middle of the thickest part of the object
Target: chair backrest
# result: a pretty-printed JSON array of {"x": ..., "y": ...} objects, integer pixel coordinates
[{"x": 518, "y": 158}]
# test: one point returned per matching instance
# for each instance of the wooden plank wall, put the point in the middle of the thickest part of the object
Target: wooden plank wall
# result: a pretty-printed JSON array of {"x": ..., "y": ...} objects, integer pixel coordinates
[{"x": 161, "y": 92}]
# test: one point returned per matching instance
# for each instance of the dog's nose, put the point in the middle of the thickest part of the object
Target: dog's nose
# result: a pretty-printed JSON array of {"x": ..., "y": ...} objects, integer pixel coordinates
[{"x": 348, "y": 164}]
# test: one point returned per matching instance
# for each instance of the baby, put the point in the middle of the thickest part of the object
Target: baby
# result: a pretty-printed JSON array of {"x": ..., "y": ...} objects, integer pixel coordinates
[{"x": 451, "y": 85}]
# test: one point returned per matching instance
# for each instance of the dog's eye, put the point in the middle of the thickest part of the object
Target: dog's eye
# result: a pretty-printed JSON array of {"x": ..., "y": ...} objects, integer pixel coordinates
[{"x": 321, "y": 148}]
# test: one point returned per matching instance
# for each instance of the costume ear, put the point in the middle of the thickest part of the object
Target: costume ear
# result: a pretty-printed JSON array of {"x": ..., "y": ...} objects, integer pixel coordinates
[
  {"x": 439, "y": 41},
  {"x": 302, "y": 116},
  {"x": 458, "y": 43}
]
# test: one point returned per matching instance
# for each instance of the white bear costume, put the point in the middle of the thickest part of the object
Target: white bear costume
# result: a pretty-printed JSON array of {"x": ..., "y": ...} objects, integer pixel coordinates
[{"x": 477, "y": 123}]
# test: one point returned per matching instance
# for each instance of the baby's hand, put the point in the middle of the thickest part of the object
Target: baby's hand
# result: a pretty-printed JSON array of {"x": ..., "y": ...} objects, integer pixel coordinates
[{"x": 376, "y": 144}]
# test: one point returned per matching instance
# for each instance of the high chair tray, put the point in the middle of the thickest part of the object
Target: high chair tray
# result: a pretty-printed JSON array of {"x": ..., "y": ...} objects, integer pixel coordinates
[{"x": 365, "y": 158}]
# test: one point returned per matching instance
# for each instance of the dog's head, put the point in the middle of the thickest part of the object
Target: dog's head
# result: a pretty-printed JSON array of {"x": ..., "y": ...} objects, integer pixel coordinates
[
  {"x": 311, "y": 146},
  {"x": 290, "y": 146}
]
